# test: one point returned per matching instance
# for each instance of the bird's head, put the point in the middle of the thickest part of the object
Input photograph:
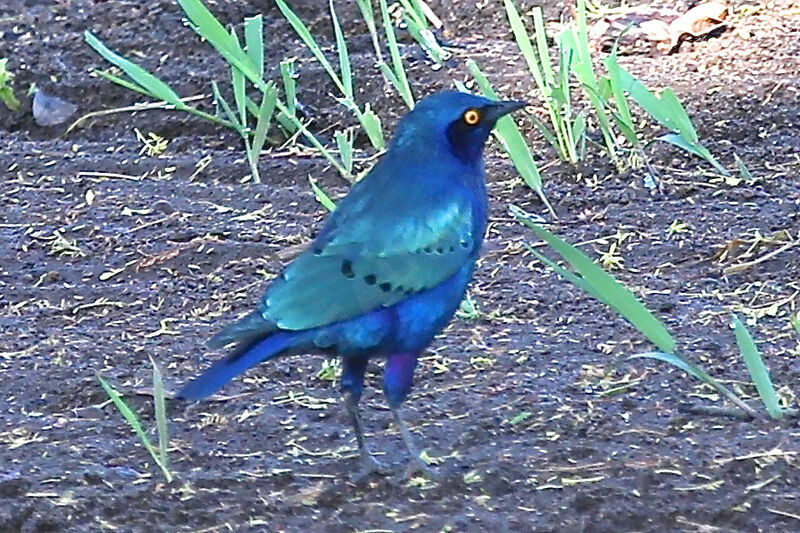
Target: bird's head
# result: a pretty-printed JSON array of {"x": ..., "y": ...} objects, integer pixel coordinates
[{"x": 455, "y": 121}]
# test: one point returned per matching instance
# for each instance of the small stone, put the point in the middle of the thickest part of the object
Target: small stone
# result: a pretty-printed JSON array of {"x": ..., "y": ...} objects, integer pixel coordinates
[{"x": 51, "y": 110}]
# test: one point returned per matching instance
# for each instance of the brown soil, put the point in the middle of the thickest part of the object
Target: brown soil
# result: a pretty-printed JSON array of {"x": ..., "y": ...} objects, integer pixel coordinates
[{"x": 607, "y": 444}]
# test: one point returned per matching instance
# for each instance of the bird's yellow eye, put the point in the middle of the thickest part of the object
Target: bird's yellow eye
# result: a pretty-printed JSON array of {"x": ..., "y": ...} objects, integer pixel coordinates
[{"x": 472, "y": 117}]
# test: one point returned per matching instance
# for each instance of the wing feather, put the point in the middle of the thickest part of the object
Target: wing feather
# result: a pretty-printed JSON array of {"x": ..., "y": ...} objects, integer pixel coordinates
[{"x": 375, "y": 251}]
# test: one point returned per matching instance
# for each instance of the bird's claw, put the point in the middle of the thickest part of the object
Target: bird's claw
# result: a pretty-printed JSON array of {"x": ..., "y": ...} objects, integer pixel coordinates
[
  {"x": 370, "y": 465},
  {"x": 417, "y": 467}
]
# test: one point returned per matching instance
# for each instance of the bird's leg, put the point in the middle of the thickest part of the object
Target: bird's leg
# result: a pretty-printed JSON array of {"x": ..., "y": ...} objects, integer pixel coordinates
[
  {"x": 397, "y": 381},
  {"x": 415, "y": 464},
  {"x": 352, "y": 384}
]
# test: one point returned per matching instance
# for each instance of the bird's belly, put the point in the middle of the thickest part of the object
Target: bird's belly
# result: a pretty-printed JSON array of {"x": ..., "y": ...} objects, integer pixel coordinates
[
  {"x": 407, "y": 326},
  {"x": 420, "y": 318}
]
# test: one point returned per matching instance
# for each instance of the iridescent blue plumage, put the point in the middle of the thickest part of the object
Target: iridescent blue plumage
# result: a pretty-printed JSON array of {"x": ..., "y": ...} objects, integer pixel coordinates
[{"x": 390, "y": 266}]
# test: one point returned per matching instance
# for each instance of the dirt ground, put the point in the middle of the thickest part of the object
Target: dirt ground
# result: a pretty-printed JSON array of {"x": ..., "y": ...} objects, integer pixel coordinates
[{"x": 540, "y": 423}]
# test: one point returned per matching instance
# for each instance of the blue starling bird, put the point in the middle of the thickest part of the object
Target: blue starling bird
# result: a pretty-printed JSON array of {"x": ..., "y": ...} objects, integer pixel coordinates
[{"x": 389, "y": 268}]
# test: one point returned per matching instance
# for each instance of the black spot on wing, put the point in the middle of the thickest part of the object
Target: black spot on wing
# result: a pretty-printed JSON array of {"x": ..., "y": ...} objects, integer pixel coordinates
[
  {"x": 370, "y": 279},
  {"x": 347, "y": 269},
  {"x": 385, "y": 286}
]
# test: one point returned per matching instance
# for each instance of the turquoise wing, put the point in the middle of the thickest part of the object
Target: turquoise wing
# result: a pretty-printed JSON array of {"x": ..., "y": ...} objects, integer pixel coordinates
[{"x": 379, "y": 247}]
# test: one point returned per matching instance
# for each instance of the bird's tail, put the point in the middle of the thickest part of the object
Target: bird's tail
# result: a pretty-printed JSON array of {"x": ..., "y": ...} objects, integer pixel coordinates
[{"x": 245, "y": 356}]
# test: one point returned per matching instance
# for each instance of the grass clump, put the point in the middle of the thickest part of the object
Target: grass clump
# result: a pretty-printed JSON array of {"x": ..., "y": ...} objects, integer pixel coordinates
[
  {"x": 594, "y": 280},
  {"x": 608, "y": 114},
  {"x": 7, "y": 95}
]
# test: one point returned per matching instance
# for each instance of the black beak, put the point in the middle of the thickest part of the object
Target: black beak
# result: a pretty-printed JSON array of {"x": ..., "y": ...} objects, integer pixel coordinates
[{"x": 500, "y": 109}]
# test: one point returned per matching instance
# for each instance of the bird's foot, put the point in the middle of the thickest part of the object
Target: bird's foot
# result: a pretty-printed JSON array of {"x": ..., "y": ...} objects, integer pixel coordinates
[
  {"x": 418, "y": 468},
  {"x": 370, "y": 466}
]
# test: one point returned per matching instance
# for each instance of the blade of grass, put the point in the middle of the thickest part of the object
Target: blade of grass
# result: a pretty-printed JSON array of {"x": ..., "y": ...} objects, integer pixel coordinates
[
  {"x": 692, "y": 369},
  {"x": 344, "y": 58},
  {"x": 371, "y": 123},
  {"x": 289, "y": 84},
  {"x": 576, "y": 39},
  {"x": 254, "y": 42},
  {"x": 150, "y": 83},
  {"x": 208, "y": 27},
  {"x": 131, "y": 86},
  {"x": 308, "y": 39},
  {"x": 133, "y": 421},
  {"x": 159, "y": 405},
  {"x": 265, "y": 112},
  {"x": 670, "y": 113},
  {"x": 344, "y": 142},
  {"x": 144, "y": 82},
  {"x": 757, "y": 368},
  {"x": 744, "y": 172},
  {"x": 625, "y": 119},
  {"x": 365, "y": 6},
  {"x": 540, "y": 67},
  {"x": 322, "y": 196},
  {"x": 315, "y": 142},
  {"x": 397, "y": 61},
  {"x": 239, "y": 90},
  {"x": 609, "y": 289},
  {"x": 223, "y": 104}
]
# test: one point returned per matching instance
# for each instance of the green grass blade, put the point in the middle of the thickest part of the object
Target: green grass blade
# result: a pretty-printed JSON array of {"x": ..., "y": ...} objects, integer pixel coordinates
[
  {"x": 582, "y": 35},
  {"x": 365, "y": 6},
  {"x": 542, "y": 46},
  {"x": 208, "y": 27},
  {"x": 226, "y": 108},
  {"x": 322, "y": 196},
  {"x": 289, "y": 84},
  {"x": 126, "y": 83},
  {"x": 692, "y": 369},
  {"x": 414, "y": 12},
  {"x": 611, "y": 291},
  {"x": 160, "y": 407},
  {"x": 397, "y": 60},
  {"x": 425, "y": 38},
  {"x": 254, "y": 42},
  {"x": 675, "y": 110},
  {"x": 386, "y": 70},
  {"x": 372, "y": 125},
  {"x": 578, "y": 132},
  {"x": 567, "y": 274},
  {"x": 758, "y": 370},
  {"x": 687, "y": 366},
  {"x": 344, "y": 57},
  {"x": 297, "y": 123},
  {"x": 239, "y": 90},
  {"x": 153, "y": 85},
  {"x": 625, "y": 119},
  {"x": 546, "y": 133},
  {"x": 128, "y": 414},
  {"x": 525, "y": 45},
  {"x": 744, "y": 172},
  {"x": 265, "y": 112},
  {"x": 305, "y": 35},
  {"x": 344, "y": 142}
]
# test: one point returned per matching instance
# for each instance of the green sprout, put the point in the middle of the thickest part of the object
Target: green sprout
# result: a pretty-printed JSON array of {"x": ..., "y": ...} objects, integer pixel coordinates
[
  {"x": 6, "y": 92},
  {"x": 160, "y": 453}
]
